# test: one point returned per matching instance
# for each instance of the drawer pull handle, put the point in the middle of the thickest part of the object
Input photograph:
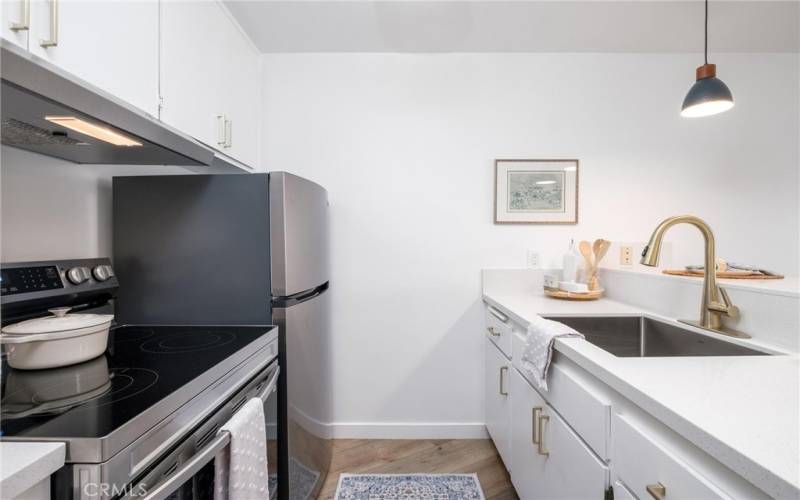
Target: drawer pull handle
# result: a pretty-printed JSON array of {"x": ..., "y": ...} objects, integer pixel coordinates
[
  {"x": 493, "y": 331},
  {"x": 53, "y": 40},
  {"x": 658, "y": 491},
  {"x": 503, "y": 369},
  {"x": 535, "y": 421},
  {"x": 221, "y": 130},
  {"x": 25, "y": 23},
  {"x": 497, "y": 314},
  {"x": 543, "y": 419}
]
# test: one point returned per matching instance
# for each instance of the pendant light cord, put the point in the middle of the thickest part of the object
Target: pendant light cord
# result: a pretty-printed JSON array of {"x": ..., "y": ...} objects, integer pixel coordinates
[{"x": 705, "y": 46}]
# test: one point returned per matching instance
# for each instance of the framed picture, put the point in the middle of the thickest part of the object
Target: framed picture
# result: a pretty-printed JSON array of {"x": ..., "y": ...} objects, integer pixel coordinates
[{"x": 536, "y": 191}]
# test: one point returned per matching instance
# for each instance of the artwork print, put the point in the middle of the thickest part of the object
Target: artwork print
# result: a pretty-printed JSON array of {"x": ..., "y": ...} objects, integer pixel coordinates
[{"x": 536, "y": 192}]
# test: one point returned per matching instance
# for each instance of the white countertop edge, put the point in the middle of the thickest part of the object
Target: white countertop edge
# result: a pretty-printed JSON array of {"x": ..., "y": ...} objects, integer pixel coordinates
[
  {"x": 762, "y": 477},
  {"x": 25, "y": 464}
]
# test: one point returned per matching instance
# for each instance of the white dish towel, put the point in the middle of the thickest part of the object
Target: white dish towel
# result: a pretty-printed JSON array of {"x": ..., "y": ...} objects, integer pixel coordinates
[
  {"x": 538, "y": 352},
  {"x": 240, "y": 470}
]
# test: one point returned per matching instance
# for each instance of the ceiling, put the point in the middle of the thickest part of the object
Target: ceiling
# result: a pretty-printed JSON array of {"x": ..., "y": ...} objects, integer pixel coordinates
[{"x": 517, "y": 26}]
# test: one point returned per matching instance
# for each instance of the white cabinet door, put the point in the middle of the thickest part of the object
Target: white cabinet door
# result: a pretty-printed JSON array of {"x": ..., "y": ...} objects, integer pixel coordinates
[
  {"x": 498, "y": 403},
  {"x": 526, "y": 406},
  {"x": 550, "y": 460},
  {"x": 570, "y": 470},
  {"x": 192, "y": 84},
  {"x": 110, "y": 44},
  {"x": 209, "y": 78},
  {"x": 243, "y": 100},
  {"x": 15, "y": 19}
]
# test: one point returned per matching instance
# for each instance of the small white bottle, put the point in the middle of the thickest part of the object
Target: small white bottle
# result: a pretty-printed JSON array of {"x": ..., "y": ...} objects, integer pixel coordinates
[{"x": 570, "y": 263}]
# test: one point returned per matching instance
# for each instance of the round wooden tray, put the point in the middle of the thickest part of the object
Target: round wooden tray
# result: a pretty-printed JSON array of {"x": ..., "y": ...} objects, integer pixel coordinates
[{"x": 561, "y": 294}]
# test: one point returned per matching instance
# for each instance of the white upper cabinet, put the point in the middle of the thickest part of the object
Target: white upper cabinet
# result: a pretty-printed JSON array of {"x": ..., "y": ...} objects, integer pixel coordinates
[
  {"x": 16, "y": 21},
  {"x": 112, "y": 44},
  {"x": 210, "y": 78}
]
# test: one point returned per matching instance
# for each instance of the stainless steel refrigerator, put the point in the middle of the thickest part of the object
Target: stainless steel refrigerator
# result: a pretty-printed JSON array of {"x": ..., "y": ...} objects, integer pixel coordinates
[{"x": 239, "y": 250}]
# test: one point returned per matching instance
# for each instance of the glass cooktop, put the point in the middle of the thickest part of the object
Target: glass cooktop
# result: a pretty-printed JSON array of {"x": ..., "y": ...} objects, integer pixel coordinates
[{"x": 142, "y": 366}]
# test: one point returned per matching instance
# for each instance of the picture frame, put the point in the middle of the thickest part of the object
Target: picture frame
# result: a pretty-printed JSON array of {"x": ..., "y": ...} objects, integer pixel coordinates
[{"x": 536, "y": 191}]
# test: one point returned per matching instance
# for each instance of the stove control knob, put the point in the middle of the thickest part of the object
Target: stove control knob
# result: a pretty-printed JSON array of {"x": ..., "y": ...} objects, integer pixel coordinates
[
  {"x": 102, "y": 273},
  {"x": 78, "y": 275}
]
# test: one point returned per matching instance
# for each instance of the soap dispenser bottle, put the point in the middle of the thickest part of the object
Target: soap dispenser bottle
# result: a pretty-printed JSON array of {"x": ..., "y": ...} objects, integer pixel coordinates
[{"x": 570, "y": 263}]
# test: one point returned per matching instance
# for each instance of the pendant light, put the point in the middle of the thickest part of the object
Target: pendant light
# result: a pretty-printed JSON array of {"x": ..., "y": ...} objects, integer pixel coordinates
[{"x": 709, "y": 95}]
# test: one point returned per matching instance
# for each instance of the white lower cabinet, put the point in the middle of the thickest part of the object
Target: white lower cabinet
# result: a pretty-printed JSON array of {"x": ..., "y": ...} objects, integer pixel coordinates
[
  {"x": 650, "y": 469},
  {"x": 550, "y": 459},
  {"x": 498, "y": 402},
  {"x": 581, "y": 437}
]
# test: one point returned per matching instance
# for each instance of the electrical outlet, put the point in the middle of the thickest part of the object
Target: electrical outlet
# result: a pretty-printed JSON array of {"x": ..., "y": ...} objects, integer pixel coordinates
[
  {"x": 626, "y": 255},
  {"x": 533, "y": 259}
]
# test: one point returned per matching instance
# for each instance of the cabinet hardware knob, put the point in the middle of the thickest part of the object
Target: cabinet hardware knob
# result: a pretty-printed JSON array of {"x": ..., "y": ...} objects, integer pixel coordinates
[
  {"x": 503, "y": 369},
  {"x": 543, "y": 419},
  {"x": 658, "y": 491},
  {"x": 53, "y": 41},
  {"x": 492, "y": 331},
  {"x": 535, "y": 421},
  {"x": 25, "y": 23}
]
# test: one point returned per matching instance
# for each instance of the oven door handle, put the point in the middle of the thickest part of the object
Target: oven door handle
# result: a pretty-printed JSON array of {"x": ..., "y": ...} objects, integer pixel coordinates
[
  {"x": 271, "y": 386},
  {"x": 167, "y": 487},
  {"x": 185, "y": 472}
]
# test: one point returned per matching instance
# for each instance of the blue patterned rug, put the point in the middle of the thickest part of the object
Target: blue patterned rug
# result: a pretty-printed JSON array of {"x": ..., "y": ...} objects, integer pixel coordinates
[{"x": 409, "y": 487}]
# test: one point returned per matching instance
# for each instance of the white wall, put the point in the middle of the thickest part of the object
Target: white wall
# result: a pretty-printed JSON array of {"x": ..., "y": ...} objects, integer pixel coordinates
[
  {"x": 54, "y": 209},
  {"x": 405, "y": 145}
]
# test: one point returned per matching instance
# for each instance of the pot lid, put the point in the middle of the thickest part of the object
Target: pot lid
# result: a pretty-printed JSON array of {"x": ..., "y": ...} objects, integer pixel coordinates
[{"x": 60, "y": 321}]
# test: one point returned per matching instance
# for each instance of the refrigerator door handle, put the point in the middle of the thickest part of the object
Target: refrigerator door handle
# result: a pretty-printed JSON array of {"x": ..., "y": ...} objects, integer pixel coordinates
[{"x": 299, "y": 297}]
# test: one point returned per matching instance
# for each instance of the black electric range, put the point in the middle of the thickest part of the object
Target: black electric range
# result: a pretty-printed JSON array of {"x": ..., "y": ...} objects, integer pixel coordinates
[
  {"x": 143, "y": 408},
  {"x": 145, "y": 370}
]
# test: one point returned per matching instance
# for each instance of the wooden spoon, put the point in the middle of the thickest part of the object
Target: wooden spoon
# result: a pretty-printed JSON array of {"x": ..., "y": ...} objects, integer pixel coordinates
[
  {"x": 586, "y": 250},
  {"x": 600, "y": 248}
]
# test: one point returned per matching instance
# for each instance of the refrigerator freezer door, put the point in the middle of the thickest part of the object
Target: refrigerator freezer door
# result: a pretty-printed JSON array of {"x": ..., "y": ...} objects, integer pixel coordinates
[
  {"x": 299, "y": 234},
  {"x": 305, "y": 395}
]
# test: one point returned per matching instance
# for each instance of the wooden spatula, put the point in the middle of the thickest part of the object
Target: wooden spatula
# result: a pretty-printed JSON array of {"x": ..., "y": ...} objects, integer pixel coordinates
[
  {"x": 586, "y": 250},
  {"x": 599, "y": 248}
]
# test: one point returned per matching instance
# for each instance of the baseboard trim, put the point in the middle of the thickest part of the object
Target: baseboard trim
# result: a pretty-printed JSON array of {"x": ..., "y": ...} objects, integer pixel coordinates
[{"x": 385, "y": 430}]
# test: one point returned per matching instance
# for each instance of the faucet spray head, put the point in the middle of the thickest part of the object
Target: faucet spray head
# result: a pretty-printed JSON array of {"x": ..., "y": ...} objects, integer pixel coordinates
[{"x": 651, "y": 253}]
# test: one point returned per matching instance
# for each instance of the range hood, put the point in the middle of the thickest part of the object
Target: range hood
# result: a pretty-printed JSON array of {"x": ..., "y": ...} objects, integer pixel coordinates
[{"x": 48, "y": 111}]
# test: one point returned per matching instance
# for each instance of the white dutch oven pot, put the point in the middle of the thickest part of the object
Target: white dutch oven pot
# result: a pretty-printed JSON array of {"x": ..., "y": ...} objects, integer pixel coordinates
[{"x": 59, "y": 340}]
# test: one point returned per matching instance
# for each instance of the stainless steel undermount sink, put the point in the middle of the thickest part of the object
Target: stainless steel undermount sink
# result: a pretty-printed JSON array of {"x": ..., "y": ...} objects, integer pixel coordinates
[{"x": 640, "y": 337}]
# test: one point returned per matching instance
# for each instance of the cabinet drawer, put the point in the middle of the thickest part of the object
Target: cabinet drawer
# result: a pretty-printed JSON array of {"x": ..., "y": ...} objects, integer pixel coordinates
[
  {"x": 498, "y": 328},
  {"x": 580, "y": 398},
  {"x": 641, "y": 461}
]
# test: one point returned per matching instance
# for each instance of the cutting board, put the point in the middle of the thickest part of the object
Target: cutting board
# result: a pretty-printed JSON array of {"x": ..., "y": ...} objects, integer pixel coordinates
[{"x": 736, "y": 275}]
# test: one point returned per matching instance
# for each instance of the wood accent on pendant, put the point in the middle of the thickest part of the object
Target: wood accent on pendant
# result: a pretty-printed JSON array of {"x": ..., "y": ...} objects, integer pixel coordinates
[{"x": 706, "y": 71}]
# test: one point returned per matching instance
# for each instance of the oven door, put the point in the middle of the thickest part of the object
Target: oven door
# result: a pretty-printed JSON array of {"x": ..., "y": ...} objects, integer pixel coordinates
[{"x": 187, "y": 473}]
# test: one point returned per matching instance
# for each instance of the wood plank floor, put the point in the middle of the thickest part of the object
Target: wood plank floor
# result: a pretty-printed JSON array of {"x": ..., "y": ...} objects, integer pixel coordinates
[{"x": 435, "y": 456}]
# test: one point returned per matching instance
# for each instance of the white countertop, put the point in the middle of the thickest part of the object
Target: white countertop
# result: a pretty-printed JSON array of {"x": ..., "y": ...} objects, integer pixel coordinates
[
  {"x": 23, "y": 465},
  {"x": 744, "y": 411}
]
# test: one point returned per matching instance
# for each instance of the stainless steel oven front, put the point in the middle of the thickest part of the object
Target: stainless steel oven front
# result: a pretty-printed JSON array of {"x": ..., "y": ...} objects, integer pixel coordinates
[{"x": 187, "y": 472}]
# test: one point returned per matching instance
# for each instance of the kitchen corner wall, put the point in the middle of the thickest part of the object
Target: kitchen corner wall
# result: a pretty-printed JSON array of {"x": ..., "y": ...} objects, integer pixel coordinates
[{"x": 405, "y": 145}]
